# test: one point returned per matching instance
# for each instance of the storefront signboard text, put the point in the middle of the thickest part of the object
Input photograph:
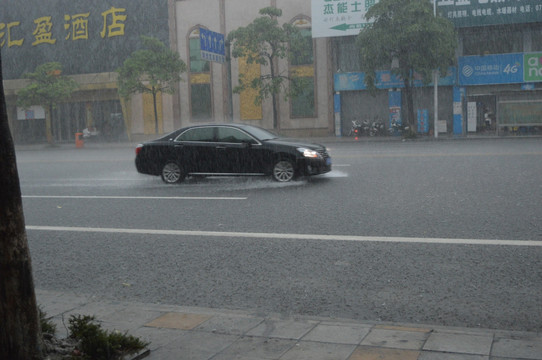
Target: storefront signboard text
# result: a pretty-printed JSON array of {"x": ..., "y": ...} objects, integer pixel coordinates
[
  {"x": 514, "y": 68},
  {"x": 339, "y": 17},
  {"x": 466, "y": 13}
]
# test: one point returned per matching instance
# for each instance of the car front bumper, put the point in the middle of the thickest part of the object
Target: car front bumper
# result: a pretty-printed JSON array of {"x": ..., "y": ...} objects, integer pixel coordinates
[{"x": 317, "y": 166}]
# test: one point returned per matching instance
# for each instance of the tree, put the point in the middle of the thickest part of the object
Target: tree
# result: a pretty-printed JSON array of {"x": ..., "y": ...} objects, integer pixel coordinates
[
  {"x": 47, "y": 88},
  {"x": 20, "y": 333},
  {"x": 155, "y": 69},
  {"x": 264, "y": 42},
  {"x": 407, "y": 34}
]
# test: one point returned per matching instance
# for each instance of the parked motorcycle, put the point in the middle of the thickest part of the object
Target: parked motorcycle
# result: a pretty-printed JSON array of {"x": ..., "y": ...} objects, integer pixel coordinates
[
  {"x": 377, "y": 128},
  {"x": 397, "y": 128},
  {"x": 359, "y": 128}
]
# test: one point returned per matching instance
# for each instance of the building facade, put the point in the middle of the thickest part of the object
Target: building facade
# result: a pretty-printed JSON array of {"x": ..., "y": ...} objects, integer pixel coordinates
[
  {"x": 91, "y": 40},
  {"x": 495, "y": 86},
  {"x": 207, "y": 93}
]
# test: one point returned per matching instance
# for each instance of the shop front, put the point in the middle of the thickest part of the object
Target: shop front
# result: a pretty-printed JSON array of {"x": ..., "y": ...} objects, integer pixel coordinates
[{"x": 503, "y": 92}]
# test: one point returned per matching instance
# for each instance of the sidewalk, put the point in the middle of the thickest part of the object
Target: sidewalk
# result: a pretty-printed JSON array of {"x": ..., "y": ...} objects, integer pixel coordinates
[
  {"x": 180, "y": 332},
  {"x": 321, "y": 140}
]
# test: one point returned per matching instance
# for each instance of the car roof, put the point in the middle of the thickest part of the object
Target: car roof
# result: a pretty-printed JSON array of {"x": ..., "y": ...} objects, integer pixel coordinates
[{"x": 237, "y": 125}]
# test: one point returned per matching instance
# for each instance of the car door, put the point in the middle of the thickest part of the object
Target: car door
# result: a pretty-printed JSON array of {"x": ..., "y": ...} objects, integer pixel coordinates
[
  {"x": 196, "y": 148},
  {"x": 234, "y": 150}
]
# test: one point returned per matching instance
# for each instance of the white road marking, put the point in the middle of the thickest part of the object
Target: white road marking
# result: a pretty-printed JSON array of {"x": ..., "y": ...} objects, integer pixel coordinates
[
  {"x": 292, "y": 236},
  {"x": 133, "y": 197}
]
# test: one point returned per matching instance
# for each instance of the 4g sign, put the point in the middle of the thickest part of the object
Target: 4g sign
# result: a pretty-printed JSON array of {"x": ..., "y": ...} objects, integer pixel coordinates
[
  {"x": 515, "y": 68},
  {"x": 532, "y": 64}
]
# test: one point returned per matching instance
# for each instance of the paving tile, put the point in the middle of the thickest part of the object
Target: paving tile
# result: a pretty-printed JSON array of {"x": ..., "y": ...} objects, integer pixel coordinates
[
  {"x": 430, "y": 355},
  {"x": 459, "y": 343},
  {"x": 128, "y": 318},
  {"x": 309, "y": 350},
  {"x": 525, "y": 348},
  {"x": 234, "y": 325},
  {"x": 157, "y": 337},
  {"x": 53, "y": 303},
  {"x": 412, "y": 340},
  {"x": 339, "y": 334},
  {"x": 193, "y": 345},
  {"x": 402, "y": 328},
  {"x": 174, "y": 320},
  {"x": 256, "y": 348},
  {"x": 99, "y": 310},
  {"x": 373, "y": 353},
  {"x": 284, "y": 329}
]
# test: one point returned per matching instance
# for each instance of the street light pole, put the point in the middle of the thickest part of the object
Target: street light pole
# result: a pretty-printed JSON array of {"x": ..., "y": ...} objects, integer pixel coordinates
[{"x": 435, "y": 85}]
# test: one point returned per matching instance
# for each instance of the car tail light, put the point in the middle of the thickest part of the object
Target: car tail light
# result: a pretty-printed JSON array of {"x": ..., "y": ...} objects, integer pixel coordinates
[{"x": 138, "y": 149}]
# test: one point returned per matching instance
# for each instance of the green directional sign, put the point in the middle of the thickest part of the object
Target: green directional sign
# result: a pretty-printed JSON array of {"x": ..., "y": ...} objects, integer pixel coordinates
[
  {"x": 345, "y": 27},
  {"x": 339, "y": 17}
]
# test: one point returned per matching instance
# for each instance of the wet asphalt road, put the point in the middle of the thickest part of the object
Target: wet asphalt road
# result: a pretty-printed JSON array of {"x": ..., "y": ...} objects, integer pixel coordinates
[{"x": 483, "y": 189}]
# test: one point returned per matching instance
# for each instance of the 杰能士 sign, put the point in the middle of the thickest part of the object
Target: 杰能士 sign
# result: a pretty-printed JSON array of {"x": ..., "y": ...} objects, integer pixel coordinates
[{"x": 339, "y": 17}]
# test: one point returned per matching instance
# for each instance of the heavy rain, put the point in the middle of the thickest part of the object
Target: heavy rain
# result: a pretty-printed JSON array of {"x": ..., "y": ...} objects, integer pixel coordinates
[{"x": 309, "y": 159}]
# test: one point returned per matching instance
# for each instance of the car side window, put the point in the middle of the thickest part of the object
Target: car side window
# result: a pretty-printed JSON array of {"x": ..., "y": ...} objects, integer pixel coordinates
[
  {"x": 231, "y": 135},
  {"x": 203, "y": 134}
]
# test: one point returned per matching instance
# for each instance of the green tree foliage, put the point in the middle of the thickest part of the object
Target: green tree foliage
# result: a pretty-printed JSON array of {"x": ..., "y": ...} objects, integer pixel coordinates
[
  {"x": 46, "y": 88},
  {"x": 265, "y": 42},
  {"x": 99, "y": 344},
  {"x": 407, "y": 33},
  {"x": 152, "y": 70}
]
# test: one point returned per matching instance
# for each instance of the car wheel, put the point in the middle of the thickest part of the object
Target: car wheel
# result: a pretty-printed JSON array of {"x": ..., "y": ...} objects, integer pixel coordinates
[
  {"x": 283, "y": 171},
  {"x": 172, "y": 173}
]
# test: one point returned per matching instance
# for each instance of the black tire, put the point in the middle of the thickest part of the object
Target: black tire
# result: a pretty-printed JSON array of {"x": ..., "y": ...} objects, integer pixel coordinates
[
  {"x": 283, "y": 170},
  {"x": 172, "y": 173}
]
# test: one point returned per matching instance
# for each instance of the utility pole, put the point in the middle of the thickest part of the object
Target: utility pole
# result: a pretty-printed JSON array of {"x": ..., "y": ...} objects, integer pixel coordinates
[{"x": 435, "y": 85}]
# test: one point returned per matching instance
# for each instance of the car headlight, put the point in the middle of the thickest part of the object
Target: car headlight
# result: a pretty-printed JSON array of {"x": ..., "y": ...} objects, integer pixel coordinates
[{"x": 308, "y": 152}]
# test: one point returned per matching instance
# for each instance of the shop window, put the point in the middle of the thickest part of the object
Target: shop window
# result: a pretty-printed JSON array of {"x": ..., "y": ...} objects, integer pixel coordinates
[
  {"x": 347, "y": 54},
  {"x": 200, "y": 98},
  {"x": 250, "y": 108},
  {"x": 197, "y": 65},
  {"x": 492, "y": 40},
  {"x": 536, "y": 39},
  {"x": 302, "y": 105},
  {"x": 307, "y": 57},
  {"x": 200, "y": 81}
]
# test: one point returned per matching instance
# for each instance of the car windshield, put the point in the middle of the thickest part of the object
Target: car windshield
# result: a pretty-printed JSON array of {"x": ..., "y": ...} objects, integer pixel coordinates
[{"x": 260, "y": 134}]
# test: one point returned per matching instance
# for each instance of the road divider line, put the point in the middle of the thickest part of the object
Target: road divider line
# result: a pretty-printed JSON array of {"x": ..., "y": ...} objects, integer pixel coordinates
[
  {"x": 291, "y": 236},
  {"x": 133, "y": 197}
]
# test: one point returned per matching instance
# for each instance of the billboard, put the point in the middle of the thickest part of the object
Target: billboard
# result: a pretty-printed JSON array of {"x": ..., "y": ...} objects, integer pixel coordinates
[
  {"x": 500, "y": 69},
  {"x": 332, "y": 18},
  {"x": 466, "y": 13},
  {"x": 339, "y": 18},
  {"x": 385, "y": 79},
  {"x": 532, "y": 63},
  {"x": 90, "y": 36}
]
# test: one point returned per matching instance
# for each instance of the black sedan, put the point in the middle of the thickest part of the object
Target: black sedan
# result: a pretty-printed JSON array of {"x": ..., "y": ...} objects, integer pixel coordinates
[{"x": 229, "y": 149}]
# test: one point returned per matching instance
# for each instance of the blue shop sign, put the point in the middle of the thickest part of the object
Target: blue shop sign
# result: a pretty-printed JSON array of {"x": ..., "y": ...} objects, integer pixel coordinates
[
  {"x": 385, "y": 79},
  {"x": 491, "y": 69}
]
